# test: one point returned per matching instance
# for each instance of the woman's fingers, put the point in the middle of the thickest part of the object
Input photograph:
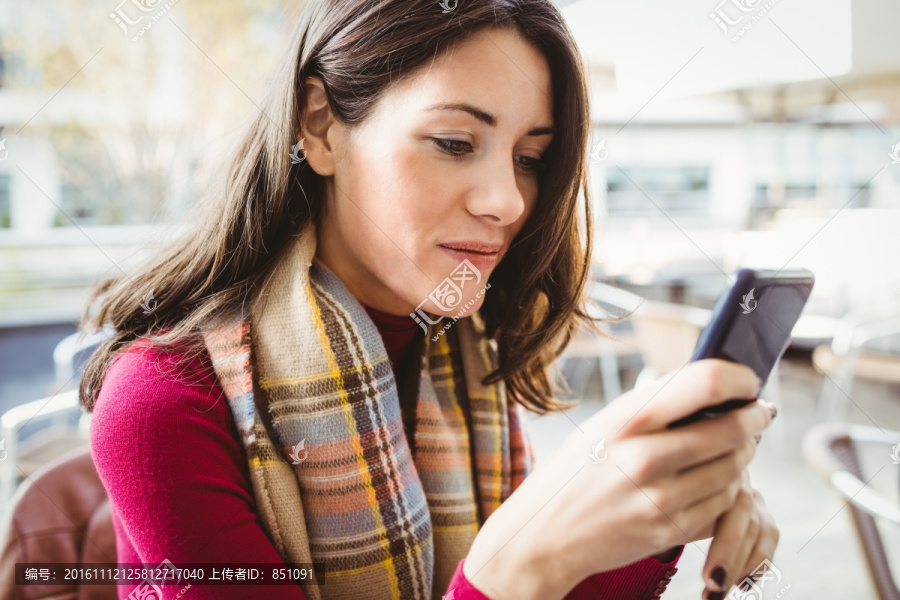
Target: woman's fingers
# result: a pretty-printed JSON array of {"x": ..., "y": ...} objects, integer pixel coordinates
[
  {"x": 693, "y": 519},
  {"x": 751, "y": 539},
  {"x": 695, "y": 386},
  {"x": 693, "y": 499},
  {"x": 730, "y": 546},
  {"x": 744, "y": 538},
  {"x": 767, "y": 541},
  {"x": 693, "y": 445},
  {"x": 700, "y": 482}
]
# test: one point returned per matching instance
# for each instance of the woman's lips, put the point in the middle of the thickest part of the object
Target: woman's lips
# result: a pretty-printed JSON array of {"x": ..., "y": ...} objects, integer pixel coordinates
[{"x": 483, "y": 256}]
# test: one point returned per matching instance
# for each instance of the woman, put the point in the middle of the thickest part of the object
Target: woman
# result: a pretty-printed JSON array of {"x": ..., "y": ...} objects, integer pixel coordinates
[{"x": 335, "y": 372}]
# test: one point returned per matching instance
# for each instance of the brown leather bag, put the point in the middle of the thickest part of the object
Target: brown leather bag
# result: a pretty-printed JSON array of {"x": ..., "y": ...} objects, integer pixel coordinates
[{"x": 60, "y": 515}]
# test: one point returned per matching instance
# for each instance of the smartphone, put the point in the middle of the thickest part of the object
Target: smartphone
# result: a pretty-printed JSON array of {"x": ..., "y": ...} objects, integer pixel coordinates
[{"x": 751, "y": 324}]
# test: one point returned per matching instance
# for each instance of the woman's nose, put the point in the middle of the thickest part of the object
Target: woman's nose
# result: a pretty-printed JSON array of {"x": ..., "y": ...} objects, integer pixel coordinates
[{"x": 498, "y": 194}]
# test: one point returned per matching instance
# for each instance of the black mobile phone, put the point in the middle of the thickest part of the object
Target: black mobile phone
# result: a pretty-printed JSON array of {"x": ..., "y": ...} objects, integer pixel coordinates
[{"x": 751, "y": 324}]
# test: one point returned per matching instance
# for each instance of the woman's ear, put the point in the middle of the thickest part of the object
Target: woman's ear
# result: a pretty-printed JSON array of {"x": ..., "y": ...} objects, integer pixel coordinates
[{"x": 319, "y": 128}]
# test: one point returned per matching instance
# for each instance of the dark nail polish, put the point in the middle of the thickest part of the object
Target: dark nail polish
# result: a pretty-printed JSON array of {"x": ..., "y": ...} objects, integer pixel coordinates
[
  {"x": 745, "y": 586},
  {"x": 715, "y": 595},
  {"x": 718, "y": 575}
]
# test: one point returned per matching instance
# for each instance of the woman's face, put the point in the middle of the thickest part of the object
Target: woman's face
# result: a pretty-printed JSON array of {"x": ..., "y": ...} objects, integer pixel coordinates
[{"x": 444, "y": 170}]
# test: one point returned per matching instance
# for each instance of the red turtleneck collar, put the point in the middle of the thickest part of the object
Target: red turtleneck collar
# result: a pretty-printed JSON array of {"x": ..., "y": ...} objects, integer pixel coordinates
[{"x": 397, "y": 332}]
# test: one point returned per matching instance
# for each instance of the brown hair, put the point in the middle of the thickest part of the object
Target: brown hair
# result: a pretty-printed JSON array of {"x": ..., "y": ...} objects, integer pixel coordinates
[{"x": 358, "y": 49}]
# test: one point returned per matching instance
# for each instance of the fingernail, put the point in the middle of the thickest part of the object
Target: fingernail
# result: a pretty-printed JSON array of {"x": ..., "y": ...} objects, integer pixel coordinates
[
  {"x": 773, "y": 410},
  {"x": 715, "y": 595},
  {"x": 718, "y": 575},
  {"x": 757, "y": 437},
  {"x": 745, "y": 586}
]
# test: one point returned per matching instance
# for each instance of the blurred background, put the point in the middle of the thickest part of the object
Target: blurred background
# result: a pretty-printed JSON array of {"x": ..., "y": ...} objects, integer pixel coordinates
[{"x": 726, "y": 133}]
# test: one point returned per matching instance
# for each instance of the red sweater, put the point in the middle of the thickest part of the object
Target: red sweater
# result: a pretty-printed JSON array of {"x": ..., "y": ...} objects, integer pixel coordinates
[{"x": 167, "y": 450}]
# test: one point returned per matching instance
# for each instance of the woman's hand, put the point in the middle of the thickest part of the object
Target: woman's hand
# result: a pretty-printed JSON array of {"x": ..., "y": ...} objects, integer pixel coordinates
[
  {"x": 650, "y": 488},
  {"x": 744, "y": 536}
]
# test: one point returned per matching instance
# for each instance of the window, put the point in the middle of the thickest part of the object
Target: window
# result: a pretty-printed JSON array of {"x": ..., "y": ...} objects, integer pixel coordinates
[{"x": 674, "y": 190}]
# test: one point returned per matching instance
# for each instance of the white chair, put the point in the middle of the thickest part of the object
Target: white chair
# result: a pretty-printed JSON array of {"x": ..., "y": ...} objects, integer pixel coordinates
[
  {"x": 667, "y": 333},
  {"x": 60, "y": 421},
  {"x": 833, "y": 450},
  {"x": 854, "y": 353},
  {"x": 24, "y": 457},
  {"x": 605, "y": 301}
]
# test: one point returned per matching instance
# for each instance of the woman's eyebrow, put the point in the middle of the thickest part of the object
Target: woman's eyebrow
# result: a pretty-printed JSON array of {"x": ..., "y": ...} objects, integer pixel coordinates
[{"x": 486, "y": 117}]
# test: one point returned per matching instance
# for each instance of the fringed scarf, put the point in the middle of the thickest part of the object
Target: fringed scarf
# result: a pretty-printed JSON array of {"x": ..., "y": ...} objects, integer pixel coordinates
[{"x": 315, "y": 401}]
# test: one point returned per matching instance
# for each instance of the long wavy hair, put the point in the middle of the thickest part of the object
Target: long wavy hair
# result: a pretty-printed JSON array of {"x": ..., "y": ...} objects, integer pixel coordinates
[{"x": 358, "y": 48}]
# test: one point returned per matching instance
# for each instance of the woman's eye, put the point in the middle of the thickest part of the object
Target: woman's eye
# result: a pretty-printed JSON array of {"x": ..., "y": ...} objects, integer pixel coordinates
[
  {"x": 458, "y": 148},
  {"x": 532, "y": 165},
  {"x": 455, "y": 148}
]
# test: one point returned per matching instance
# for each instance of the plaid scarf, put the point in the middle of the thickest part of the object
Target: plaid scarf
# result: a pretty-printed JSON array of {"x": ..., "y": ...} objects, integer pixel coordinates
[{"x": 315, "y": 401}]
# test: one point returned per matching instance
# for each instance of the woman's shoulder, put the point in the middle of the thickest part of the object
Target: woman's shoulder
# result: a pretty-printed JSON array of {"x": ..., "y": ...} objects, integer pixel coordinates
[
  {"x": 149, "y": 386},
  {"x": 167, "y": 450}
]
